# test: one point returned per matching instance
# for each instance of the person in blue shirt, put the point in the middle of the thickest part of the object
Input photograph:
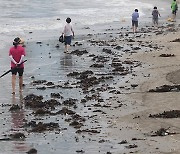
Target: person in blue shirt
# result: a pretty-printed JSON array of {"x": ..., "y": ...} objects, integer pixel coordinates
[{"x": 135, "y": 17}]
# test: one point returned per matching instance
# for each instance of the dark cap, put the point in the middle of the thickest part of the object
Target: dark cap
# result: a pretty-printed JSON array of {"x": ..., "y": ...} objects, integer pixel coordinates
[{"x": 17, "y": 40}]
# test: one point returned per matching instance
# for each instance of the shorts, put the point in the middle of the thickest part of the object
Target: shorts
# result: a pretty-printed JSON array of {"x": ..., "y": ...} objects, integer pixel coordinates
[
  {"x": 174, "y": 12},
  {"x": 134, "y": 23},
  {"x": 17, "y": 70},
  {"x": 67, "y": 40}
]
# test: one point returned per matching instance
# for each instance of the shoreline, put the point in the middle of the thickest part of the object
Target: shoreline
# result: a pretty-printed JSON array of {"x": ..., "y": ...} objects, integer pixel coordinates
[{"x": 119, "y": 109}]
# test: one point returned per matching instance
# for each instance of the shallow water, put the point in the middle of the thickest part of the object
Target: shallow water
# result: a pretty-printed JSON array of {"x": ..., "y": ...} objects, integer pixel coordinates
[{"x": 24, "y": 15}]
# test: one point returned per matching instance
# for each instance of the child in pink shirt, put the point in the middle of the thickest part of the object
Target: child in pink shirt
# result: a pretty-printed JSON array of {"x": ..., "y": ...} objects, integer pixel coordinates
[{"x": 16, "y": 54}]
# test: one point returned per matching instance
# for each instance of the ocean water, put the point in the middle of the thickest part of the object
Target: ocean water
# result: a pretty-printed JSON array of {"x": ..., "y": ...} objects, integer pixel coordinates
[{"x": 28, "y": 15}]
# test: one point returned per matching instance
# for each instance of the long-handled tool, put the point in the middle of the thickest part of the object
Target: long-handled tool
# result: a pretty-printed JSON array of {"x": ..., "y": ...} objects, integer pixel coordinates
[{"x": 11, "y": 69}]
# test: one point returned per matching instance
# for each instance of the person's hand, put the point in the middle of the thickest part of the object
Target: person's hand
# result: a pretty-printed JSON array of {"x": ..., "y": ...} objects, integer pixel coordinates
[{"x": 18, "y": 65}]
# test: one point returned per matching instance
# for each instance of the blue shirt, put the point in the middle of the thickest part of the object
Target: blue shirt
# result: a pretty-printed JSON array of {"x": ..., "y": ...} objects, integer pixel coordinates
[{"x": 135, "y": 16}]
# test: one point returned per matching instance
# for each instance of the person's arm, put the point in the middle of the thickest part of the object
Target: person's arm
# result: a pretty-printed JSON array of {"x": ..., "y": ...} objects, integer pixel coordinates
[
  {"x": 64, "y": 30},
  {"x": 21, "y": 60},
  {"x": 12, "y": 59},
  {"x": 72, "y": 31},
  {"x": 159, "y": 14}
]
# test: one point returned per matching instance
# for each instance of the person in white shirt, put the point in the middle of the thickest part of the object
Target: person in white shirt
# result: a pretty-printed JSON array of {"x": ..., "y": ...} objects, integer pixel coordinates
[{"x": 68, "y": 33}]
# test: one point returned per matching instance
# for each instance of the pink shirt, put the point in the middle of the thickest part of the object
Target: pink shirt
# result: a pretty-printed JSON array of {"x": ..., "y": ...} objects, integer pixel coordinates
[{"x": 16, "y": 54}]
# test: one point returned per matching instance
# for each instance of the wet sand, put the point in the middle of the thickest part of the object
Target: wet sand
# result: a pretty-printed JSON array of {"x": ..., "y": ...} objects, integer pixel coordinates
[{"x": 104, "y": 96}]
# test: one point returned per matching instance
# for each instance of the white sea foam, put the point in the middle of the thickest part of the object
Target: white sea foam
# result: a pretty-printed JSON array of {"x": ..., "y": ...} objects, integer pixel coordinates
[{"x": 24, "y": 15}]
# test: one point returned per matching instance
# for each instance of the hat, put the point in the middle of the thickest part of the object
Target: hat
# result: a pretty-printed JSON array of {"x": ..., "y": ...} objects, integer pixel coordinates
[
  {"x": 18, "y": 40},
  {"x": 21, "y": 41}
]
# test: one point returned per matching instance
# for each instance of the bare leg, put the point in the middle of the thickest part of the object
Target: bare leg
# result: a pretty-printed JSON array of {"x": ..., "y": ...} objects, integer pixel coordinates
[
  {"x": 13, "y": 83},
  {"x": 133, "y": 29},
  {"x": 66, "y": 48},
  {"x": 20, "y": 83}
]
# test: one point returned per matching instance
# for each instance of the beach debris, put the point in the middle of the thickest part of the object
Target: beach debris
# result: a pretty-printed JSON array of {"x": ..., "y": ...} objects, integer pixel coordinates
[
  {"x": 87, "y": 131},
  {"x": 70, "y": 102},
  {"x": 73, "y": 74},
  {"x": 77, "y": 44},
  {"x": 176, "y": 40},
  {"x": 159, "y": 32},
  {"x": 76, "y": 124},
  {"x": 57, "y": 46},
  {"x": 39, "y": 42},
  {"x": 134, "y": 85},
  {"x": 100, "y": 42},
  {"x": 119, "y": 69},
  {"x": 42, "y": 112},
  {"x": 109, "y": 51},
  {"x": 80, "y": 151},
  {"x": 131, "y": 40},
  {"x": 118, "y": 47},
  {"x": 136, "y": 48},
  {"x": 17, "y": 136},
  {"x": 167, "y": 55},
  {"x": 66, "y": 111},
  {"x": 34, "y": 101},
  {"x": 37, "y": 82},
  {"x": 166, "y": 88},
  {"x": 56, "y": 95},
  {"x": 163, "y": 132},
  {"x": 97, "y": 65},
  {"x": 41, "y": 88},
  {"x": 102, "y": 59},
  {"x": 167, "y": 114},
  {"x": 123, "y": 142},
  {"x": 131, "y": 146},
  {"x": 42, "y": 127},
  {"x": 32, "y": 151},
  {"x": 79, "y": 52},
  {"x": 33, "y": 97},
  {"x": 14, "y": 107}
]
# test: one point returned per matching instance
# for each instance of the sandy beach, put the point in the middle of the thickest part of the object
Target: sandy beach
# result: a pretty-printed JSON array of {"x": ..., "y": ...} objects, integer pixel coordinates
[{"x": 115, "y": 92}]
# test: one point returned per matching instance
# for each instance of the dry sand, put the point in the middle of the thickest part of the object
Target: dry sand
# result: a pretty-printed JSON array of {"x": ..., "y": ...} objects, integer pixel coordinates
[{"x": 161, "y": 71}]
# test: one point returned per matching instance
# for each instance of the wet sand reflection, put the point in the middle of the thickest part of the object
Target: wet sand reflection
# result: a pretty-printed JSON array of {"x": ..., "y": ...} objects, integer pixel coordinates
[{"x": 18, "y": 119}]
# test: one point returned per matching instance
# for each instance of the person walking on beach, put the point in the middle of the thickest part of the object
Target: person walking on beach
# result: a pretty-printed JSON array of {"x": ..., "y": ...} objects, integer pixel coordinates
[
  {"x": 68, "y": 33},
  {"x": 135, "y": 17},
  {"x": 174, "y": 8},
  {"x": 155, "y": 16},
  {"x": 16, "y": 54}
]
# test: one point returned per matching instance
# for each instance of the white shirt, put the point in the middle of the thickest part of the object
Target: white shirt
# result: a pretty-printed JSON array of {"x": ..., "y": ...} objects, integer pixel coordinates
[{"x": 68, "y": 31}]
